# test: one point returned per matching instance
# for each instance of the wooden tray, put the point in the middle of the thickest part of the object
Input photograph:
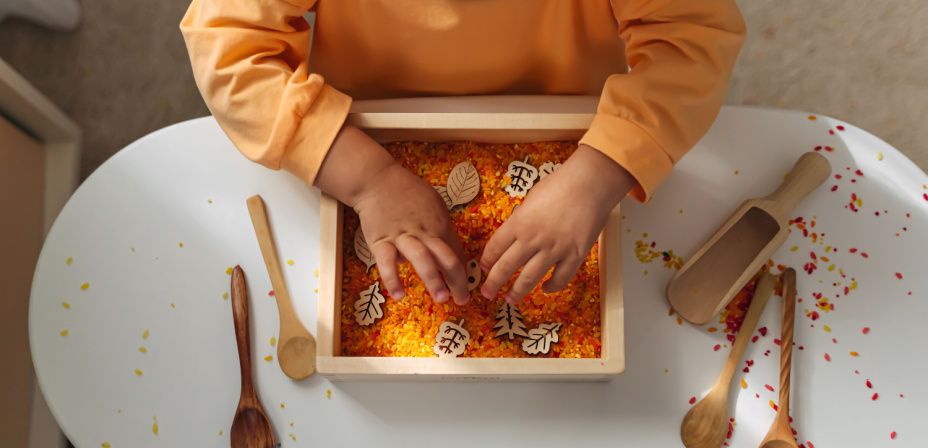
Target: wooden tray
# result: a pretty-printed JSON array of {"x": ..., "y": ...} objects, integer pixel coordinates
[{"x": 485, "y": 127}]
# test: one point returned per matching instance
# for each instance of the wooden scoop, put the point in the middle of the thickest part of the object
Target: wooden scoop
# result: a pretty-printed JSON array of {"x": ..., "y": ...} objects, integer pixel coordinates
[
  {"x": 250, "y": 427},
  {"x": 296, "y": 347},
  {"x": 712, "y": 277},
  {"x": 706, "y": 423},
  {"x": 781, "y": 433}
]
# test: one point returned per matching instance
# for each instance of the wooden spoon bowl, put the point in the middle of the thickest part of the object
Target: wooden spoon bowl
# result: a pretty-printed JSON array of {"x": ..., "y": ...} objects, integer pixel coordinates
[
  {"x": 299, "y": 353},
  {"x": 706, "y": 423},
  {"x": 251, "y": 429}
]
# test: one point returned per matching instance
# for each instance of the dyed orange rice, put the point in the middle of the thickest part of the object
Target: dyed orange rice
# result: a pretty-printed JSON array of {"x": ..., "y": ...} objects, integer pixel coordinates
[{"x": 409, "y": 326}]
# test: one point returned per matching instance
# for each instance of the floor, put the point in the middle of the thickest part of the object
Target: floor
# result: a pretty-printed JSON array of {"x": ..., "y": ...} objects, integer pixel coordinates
[{"x": 125, "y": 73}]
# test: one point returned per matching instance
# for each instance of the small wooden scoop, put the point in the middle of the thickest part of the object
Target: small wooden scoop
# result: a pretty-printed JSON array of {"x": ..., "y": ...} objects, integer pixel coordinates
[
  {"x": 250, "y": 427},
  {"x": 781, "y": 433},
  {"x": 706, "y": 423},
  {"x": 712, "y": 277},
  {"x": 296, "y": 347}
]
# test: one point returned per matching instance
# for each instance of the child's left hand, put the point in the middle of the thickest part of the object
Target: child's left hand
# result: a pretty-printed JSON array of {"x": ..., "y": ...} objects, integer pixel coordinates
[{"x": 555, "y": 226}]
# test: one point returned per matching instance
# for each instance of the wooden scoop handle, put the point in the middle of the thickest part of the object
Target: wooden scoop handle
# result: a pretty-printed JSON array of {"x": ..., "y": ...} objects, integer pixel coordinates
[
  {"x": 765, "y": 286},
  {"x": 242, "y": 335},
  {"x": 810, "y": 171}
]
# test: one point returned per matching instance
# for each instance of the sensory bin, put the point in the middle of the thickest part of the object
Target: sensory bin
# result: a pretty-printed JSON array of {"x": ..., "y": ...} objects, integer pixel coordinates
[{"x": 408, "y": 327}]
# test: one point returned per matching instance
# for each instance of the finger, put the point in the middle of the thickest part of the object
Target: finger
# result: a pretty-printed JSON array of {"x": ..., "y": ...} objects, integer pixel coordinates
[
  {"x": 564, "y": 272},
  {"x": 424, "y": 264},
  {"x": 502, "y": 270},
  {"x": 501, "y": 241},
  {"x": 385, "y": 254},
  {"x": 451, "y": 268},
  {"x": 531, "y": 274},
  {"x": 447, "y": 234},
  {"x": 453, "y": 241}
]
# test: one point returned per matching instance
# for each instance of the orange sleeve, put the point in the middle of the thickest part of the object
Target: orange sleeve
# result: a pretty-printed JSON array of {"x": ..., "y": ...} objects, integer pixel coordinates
[
  {"x": 681, "y": 54},
  {"x": 249, "y": 59}
]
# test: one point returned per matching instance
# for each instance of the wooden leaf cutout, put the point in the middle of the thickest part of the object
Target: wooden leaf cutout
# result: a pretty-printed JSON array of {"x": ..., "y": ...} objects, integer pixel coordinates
[
  {"x": 522, "y": 177},
  {"x": 362, "y": 250},
  {"x": 540, "y": 339},
  {"x": 473, "y": 275},
  {"x": 463, "y": 183},
  {"x": 443, "y": 192},
  {"x": 451, "y": 340},
  {"x": 547, "y": 168},
  {"x": 509, "y": 323},
  {"x": 367, "y": 309}
]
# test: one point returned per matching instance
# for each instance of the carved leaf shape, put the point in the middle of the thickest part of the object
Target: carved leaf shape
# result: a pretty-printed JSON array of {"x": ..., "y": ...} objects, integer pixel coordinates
[
  {"x": 362, "y": 250},
  {"x": 451, "y": 340},
  {"x": 547, "y": 168},
  {"x": 522, "y": 177},
  {"x": 540, "y": 339},
  {"x": 443, "y": 192},
  {"x": 463, "y": 183},
  {"x": 367, "y": 309},
  {"x": 509, "y": 323}
]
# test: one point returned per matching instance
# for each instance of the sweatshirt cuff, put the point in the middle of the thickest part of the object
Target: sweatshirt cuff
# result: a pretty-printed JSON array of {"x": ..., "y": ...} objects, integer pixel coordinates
[
  {"x": 633, "y": 149},
  {"x": 315, "y": 133}
]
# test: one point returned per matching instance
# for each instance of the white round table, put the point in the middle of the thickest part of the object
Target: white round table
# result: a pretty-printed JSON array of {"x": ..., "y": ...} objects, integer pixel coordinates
[{"x": 143, "y": 247}]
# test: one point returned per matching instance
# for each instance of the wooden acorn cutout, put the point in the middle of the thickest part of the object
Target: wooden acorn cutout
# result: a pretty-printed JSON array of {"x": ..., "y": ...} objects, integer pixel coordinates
[
  {"x": 451, "y": 340},
  {"x": 725, "y": 263},
  {"x": 474, "y": 274}
]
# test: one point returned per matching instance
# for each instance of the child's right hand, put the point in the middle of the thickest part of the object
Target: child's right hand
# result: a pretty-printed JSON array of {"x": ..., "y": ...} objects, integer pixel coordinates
[{"x": 403, "y": 218}]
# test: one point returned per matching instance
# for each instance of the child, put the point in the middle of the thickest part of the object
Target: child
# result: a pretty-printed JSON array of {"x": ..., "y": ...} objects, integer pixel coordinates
[{"x": 250, "y": 62}]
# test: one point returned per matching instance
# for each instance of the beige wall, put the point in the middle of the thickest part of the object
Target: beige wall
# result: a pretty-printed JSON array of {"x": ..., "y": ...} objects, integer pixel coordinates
[{"x": 22, "y": 180}]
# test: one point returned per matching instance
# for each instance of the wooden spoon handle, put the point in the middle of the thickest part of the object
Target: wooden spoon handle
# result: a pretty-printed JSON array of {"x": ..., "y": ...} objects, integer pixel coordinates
[
  {"x": 269, "y": 252},
  {"x": 242, "y": 333},
  {"x": 786, "y": 336},
  {"x": 765, "y": 286},
  {"x": 810, "y": 171}
]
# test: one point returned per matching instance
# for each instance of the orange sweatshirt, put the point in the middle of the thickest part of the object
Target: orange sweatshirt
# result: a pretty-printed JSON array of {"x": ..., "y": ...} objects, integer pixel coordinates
[{"x": 283, "y": 110}]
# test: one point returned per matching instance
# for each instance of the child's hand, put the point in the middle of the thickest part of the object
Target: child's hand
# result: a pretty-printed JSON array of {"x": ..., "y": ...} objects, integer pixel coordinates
[
  {"x": 403, "y": 218},
  {"x": 556, "y": 225}
]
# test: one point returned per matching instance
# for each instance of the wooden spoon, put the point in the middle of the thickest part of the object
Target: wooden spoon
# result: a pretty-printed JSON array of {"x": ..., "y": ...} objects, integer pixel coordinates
[
  {"x": 706, "y": 423},
  {"x": 712, "y": 277},
  {"x": 296, "y": 347},
  {"x": 250, "y": 428},
  {"x": 781, "y": 433}
]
